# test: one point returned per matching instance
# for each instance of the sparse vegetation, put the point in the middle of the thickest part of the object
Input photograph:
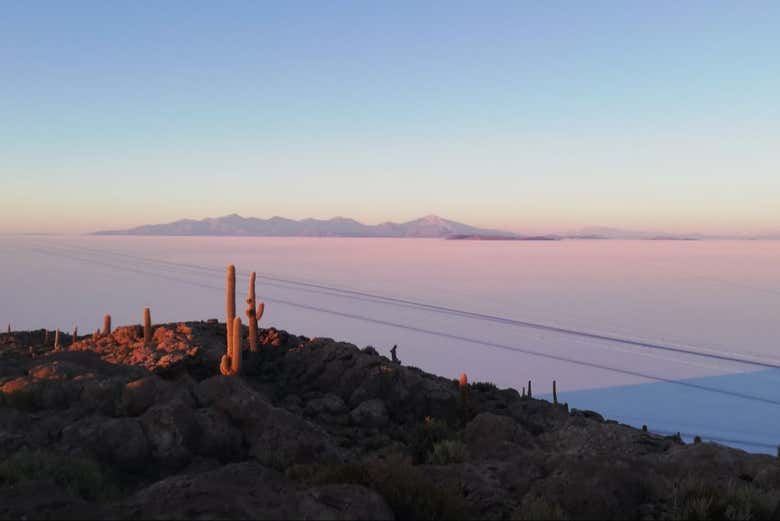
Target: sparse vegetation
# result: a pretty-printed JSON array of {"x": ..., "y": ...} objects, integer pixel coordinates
[
  {"x": 695, "y": 500},
  {"x": 81, "y": 477},
  {"x": 407, "y": 490},
  {"x": 426, "y": 435},
  {"x": 446, "y": 452},
  {"x": 538, "y": 509}
]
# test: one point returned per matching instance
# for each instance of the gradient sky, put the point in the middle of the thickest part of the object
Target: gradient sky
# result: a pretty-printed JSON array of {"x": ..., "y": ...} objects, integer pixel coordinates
[{"x": 529, "y": 116}]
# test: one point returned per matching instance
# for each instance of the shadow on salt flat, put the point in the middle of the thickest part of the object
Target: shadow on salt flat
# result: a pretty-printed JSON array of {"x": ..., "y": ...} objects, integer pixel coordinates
[{"x": 667, "y": 408}]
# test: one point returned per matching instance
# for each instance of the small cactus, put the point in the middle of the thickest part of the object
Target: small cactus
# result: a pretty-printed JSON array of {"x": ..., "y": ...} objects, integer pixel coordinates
[
  {"x": 555, "y": 393},
  {"x": 147, "y": 326},
  {"x": 106, "y": 325},
  {"x": 644, "y": 428},
  {"x": 697, "y": 440}
]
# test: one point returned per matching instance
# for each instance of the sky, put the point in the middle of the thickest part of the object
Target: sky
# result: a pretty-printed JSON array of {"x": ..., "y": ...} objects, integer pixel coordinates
[{"x": 530, "y": 116}]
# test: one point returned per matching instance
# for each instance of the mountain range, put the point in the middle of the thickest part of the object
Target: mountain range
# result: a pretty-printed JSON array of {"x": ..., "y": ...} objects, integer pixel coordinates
[{"x": 430, "y": 226}]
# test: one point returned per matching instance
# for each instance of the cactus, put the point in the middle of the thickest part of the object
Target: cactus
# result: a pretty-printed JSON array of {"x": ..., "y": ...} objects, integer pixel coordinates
[
  {"x": 523, "y": 395},
  {"x": 147, "y": 326},
  {"x": 230, "y": 303},
  {"x": 555, "y": 393},
  {"x": 57, "y": 340},
  {"x": 75, "y": 335},
  {"x": 530, "y": 396},
  {"x": 106, "y": 325},
  {"x": 644, "y": 428},
  {"x": 251, "y": 314},
  {"x": 45, "y": 336},
  {"x": 230, "y": 364},
  {"x": 463, "y": 384}
]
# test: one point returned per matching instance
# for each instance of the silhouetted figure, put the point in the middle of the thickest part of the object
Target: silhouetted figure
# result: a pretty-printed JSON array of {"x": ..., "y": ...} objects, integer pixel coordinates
[{"x": 393, "y": 354}]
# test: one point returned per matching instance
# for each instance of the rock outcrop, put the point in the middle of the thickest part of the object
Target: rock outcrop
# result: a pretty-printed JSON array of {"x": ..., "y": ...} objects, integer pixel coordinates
[{"x": 116, "y": 427}]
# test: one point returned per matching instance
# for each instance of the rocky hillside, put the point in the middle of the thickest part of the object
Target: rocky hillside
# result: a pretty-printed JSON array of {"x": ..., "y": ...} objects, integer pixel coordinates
[{"x": 110, "y": 427}]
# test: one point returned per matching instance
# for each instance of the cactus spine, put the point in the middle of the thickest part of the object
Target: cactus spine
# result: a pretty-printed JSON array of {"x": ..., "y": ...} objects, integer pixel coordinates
[
  {"x": 555, "y": 393},
  {"x": 251, "y": 314},
  {"x": 147, "y": 326},
  {"x": 230, "y": 365},
  {"x": 106, "y": 325},
  {"x": 230, "y": 304}
]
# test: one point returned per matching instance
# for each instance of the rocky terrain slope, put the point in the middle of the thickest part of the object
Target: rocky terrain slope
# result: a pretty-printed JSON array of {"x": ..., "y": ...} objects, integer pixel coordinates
[{"x": 109, "y": 426}]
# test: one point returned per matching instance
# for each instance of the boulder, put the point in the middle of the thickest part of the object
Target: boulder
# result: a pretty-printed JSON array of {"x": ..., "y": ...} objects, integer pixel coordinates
[
  {"x": 371, "y": 413},
  {"x": 237, "y": 491},
  {"x": 493, "y": 435},
  {"x": 276, "y": 437},
  {"x": 170, "y": 428},
  {"x": 217, "y": 438},
  {"x": 329, "y": 404},
  {"x": 118, "y": 441},
  {"x": 342, "y": 502}
]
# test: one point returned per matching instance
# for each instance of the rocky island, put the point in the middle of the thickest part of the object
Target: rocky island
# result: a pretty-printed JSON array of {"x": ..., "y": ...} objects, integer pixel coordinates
[{"x": 201, "y": 420}]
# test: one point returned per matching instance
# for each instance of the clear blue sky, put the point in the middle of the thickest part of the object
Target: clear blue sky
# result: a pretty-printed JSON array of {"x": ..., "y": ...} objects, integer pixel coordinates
[{"x": 529, "y": 116}]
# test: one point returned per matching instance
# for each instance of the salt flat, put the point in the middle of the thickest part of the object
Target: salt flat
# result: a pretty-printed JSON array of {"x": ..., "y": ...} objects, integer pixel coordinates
[{"x": 712, "y": 297}]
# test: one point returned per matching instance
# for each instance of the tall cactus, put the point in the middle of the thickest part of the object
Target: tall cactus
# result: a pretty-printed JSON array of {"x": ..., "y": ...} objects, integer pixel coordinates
[
  {"x": 57, "y": 340},
  {"x": 106, "y": 325},
  {"x": 147, "y": 326},
  {"x": 555, "y": 393},
  {"x": 529, "y": 390},
  {"x": 230, "y": 304},
  {"x": 251, "y": 314},
  {"x": 230, "y": 364},
  {"x": 75, "y": 335}
]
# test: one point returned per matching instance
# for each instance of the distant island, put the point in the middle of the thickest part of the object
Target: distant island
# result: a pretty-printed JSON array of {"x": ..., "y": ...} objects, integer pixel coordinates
[
  {"x": 467, "y": 237},
  {"x": 430, "y": 226}
]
